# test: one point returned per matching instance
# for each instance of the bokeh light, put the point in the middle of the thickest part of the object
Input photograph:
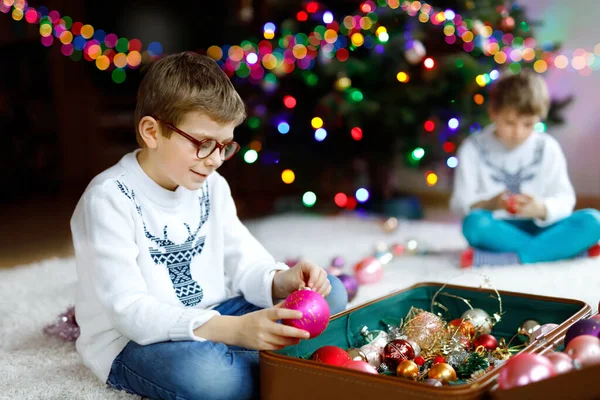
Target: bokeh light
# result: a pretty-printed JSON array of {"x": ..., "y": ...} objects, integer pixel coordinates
[
  {"x": 341, "y": 200},
  {"x": 452, "y": 162},
  {"x": 431, "y": 178},
  {"x": 316, "y": 123},
  {"x": 309, "y": 199},
  {"x": 320, "y": 134},
  {"x": 250, "y": 156},
  {"x": 362, "y": 195},
  {"x": 288, "y": 176}
]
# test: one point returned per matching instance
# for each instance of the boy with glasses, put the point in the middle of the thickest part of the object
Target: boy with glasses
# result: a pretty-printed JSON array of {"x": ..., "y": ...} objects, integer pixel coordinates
[{"x": 175, "y": 295}]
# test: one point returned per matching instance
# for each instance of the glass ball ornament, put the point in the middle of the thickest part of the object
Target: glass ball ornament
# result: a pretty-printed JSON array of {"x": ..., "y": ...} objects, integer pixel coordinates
[{"x": 480, "y": 319}]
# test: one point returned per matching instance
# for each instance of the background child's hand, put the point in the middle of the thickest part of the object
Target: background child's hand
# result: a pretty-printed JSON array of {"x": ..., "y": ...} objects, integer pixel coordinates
[
  {"x": 304, "y": 274},
  {"x": 498, "y": 202},
  {"x": 531, "y": 207},
  {"x": 259, "y": 330}
]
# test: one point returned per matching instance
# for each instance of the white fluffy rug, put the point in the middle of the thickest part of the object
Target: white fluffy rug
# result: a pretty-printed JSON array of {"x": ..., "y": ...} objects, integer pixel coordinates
[{"x": 33, "y": 366}]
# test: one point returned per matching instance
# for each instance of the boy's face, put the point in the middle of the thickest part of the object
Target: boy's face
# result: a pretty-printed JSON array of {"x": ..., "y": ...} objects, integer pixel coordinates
[
  {"x": 176, "y": 158},
  {"x": 513, "y": 128}
]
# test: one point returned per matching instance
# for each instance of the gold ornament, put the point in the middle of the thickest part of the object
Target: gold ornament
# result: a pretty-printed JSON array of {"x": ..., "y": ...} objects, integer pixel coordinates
[
  {"x": 442, "y": 372},
  {"x": 424, "y": 328},
  {"x": 528, "y": 327},
  {"x": 408, "y": 369},
  {"x": 356, "y": 354},
  {"x": 390, "y": 225}
]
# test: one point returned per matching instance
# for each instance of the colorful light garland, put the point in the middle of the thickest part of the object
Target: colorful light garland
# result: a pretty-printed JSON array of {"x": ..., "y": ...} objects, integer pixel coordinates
[{"x": 108, "y": 51}]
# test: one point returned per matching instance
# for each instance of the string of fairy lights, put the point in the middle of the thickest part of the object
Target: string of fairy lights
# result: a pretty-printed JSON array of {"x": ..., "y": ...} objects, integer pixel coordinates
[{"x": 266, "y": 61}]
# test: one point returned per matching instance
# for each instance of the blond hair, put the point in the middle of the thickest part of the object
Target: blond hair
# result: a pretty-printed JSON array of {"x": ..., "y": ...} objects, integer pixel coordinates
[
  {"x": 184, "y": 82},
  {"x": 526, "y": 92}
]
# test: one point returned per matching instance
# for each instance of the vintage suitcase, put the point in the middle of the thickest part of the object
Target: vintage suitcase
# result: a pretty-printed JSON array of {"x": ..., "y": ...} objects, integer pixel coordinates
[
  {"x": 574, "y": 385},
  {"x": 284, "y": 375}
]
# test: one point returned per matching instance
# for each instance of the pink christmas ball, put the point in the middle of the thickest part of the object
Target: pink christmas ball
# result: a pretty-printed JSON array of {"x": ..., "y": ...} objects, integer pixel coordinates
[
  {"x": 562, "y": 363},
  {"x": 368, "y": 271},
  {"x": 314, "y": 308},
  {"x": 584, "y": 350},
  {"x": 524, "y": 369},
  {"x": 596, "y": 317},
  {"x": 360, "y": 366}
]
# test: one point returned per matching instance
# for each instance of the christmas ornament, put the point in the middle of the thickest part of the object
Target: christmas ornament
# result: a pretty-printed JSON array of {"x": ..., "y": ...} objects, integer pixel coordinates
[
  {"x": 356, "y": 354},
  {"x": 414, "y": 51},
  {"x": 335, "y": 271},
  {"x": 507, "y": 24},
  {"x": 368, "y": 271},
  {"x": 351, "y": 285},
  {"x": 511, "y": 204},
  {"x": 396, "y": 351},
  {"x": 397, "y": 249},
  {"x": 584, "y": 327},
  {"x": 384, "y": 257},
  {"x": 476, "y": 361},
  {"x": 65, "y": 326},
  {"x": 596, "y": 317},
  {"x": 314, "y": 308},
  {"x": 360, "y": 366},
  {"x": 376, "y": 338},
  {"x": 438, "y": 359},
  {"x": 543, "y": 330},
  {"x": 408, "y": 369},
  {"x": 415, "y": 346},
  {"x": 433, "y": 382},
  {"x": 584, "y": 350},
  {"x": 488, "y": 342},
  {"x": 338, "y": 262},
  {"x": 523, "y": 369},
  {"x": 464, "y": 327},
  {"x": 412, "y": 246},
  {"x": 442, "y": 372},
  {"x": 390, "y": 224},
  {"x": 527, "y": 328},
  {"x": 331, "y": 355},
  {"x": 425, "y": 328},
  {"x": 561, "y": 362},
  {"x": 419, "y": 360},
  {"x": 480, "y": 319},
  {"x": 374, "y": 354}
]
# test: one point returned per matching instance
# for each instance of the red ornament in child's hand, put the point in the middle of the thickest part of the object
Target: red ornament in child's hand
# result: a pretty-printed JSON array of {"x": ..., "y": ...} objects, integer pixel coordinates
[
  {"x": 488, "y": 341},
  {"x": 419, "y": 360},
  {"x": 314, "y": 308},
  {"x": 331, "y": 355},
  {"x": 438, "y": 359},
  {"x": 511, "y": 204}
]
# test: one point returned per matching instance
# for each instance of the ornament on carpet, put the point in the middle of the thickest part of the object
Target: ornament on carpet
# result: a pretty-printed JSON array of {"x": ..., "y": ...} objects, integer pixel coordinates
[
  {"x": 65, "y": 326},
  {"x": 314, "y": 308}
]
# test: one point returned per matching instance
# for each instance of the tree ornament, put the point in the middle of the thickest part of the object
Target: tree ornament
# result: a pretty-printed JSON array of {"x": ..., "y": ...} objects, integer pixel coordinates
[
  {"x": 507, "y": 24},
  {"x": 356, "y": 354},
  {"x": 368, "y": 271},
  {"x": 487, "y": 341},
  {"x": 408, "y": 369},
  {"x": 414, "y": 51},
  {"x": 584, "y": 327},
  {"x": 438, "y": 359},
  {"x": 527, "y": 328},
  {"x": 314, "y": 308},
  {"x": 331, "y": 355},
  {"x": 374, "y": 354},
  {"x": 584, "y": 350},
  {"x": 360, "y": 366},
  {"x": 425, "y": 328},
  {"x": 397, "y": 351},
  {"x": 475, "y": 362},
  {"x": 442, "y": 372},
  {"x": 560, "y": 361},
  {"x": 523, "y": 369},
  {"x": 480, "y": 319},
  {"x": 351, "y": 285}
]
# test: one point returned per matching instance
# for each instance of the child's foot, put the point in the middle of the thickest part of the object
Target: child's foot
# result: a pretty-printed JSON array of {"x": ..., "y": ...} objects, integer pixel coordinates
[{"x": 477, "y": 258}]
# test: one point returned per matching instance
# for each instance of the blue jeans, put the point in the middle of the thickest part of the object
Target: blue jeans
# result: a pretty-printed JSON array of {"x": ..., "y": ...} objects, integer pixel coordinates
[
  {"x": 191, "y": 370},
  {"x": 564, "y": 239}
]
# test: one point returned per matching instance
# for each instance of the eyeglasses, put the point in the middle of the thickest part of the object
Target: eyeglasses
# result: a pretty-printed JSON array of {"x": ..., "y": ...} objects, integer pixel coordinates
[{"x": 204, "y": 148}]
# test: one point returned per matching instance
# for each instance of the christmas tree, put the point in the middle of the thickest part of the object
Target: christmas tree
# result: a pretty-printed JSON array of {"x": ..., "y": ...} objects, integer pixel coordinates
[{"x": 335, "y": 96}]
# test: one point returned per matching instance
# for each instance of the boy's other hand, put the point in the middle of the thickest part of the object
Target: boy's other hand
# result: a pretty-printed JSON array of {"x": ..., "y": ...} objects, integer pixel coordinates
[
  {"x": 259, "y": 330},
  {"x": 304, "y": 274},
  {"x": 531, "y": 207}
]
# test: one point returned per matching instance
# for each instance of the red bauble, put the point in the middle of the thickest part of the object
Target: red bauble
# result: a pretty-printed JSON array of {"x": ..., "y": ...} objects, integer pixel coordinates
[
  {"x": 438, "y": 359},
  {"x": 396, "y": 351},
  {"x": 507, "y": 24},
  {"x": 419, "y": 361},
  {"x": 511, "y": 204},
  {"x": 488, "y": 341},
  {"x": 331, "y": 355}
]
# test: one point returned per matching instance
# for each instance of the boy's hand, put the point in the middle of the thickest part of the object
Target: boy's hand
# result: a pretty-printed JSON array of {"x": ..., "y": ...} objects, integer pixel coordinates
[
  {"x": 304, "y": 274},
  {"x": 259, "y": 330},
  {"x": 531, "y": 207}
]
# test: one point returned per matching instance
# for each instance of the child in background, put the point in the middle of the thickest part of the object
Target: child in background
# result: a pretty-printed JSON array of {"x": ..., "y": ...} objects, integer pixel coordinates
[
  {"x": 512, "y": 187},
  {"x": 175, "y": 296}
]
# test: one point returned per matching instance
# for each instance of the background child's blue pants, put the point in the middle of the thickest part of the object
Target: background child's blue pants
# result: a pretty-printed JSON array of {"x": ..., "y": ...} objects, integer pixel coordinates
[
  {"x": 564, "y": 239},
  {"x": 191, "y": 370}
]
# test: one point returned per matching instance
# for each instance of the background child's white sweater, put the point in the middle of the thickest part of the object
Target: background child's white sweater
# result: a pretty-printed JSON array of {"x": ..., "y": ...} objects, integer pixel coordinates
[
  {"x": 152, "y": 263},
  {"x": 537, "y": 168}
]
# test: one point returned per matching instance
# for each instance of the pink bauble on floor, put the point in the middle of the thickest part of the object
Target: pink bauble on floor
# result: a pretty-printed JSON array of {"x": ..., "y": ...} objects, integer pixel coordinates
[
  {"x": 524, "y": 369},
  {"x": 368, "y": 271},
  {"x": 360, "y": 366},
  {"x": 314, "y": 308}
]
